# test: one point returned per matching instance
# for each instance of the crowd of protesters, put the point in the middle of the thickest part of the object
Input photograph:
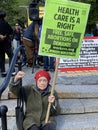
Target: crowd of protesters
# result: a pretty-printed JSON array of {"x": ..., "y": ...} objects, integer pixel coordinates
[
  {"x": 11, "y": 38},
  {"x": 29, "y": 36}
]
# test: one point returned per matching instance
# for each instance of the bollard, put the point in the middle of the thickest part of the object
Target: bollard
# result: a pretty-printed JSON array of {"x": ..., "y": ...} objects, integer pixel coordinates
[{"x": 3, "y": 111}]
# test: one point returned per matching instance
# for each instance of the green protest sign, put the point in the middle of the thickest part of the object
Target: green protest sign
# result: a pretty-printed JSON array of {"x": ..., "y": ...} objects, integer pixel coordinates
[{"x": 63, "y": 28}]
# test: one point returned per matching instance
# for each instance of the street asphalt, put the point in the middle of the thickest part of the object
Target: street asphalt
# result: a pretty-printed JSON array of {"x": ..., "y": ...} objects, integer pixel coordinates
[{"x": 67, "y": 78}]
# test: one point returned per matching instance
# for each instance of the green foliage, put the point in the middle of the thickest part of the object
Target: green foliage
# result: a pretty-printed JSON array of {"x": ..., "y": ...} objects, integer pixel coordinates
[
  {"x": 17, "y": 11},
  {"x": 13, "y": 10},
  {"x": 93, "y": 15}
]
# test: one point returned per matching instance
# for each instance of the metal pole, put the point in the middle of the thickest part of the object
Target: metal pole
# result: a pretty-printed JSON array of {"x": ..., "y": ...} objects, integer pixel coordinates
[{"x": 19, "y": 69}]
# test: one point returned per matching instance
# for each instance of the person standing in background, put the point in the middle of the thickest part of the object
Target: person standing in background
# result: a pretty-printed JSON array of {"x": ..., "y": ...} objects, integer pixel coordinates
[
  {"x": 16, "y": 37},
  {"x": 30, "y": 41},
  {"x": 95, "y": 32},
  {"x": 5, "y": 42},
  {"x": 49, "y": 63}
]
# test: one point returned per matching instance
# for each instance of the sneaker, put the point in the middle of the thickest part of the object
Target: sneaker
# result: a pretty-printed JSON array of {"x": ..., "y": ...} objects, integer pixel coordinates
[
  {"x": 3, "y": 74},
  {"x": 14, "y": 73},
  {"x": 29, "y": 64}
]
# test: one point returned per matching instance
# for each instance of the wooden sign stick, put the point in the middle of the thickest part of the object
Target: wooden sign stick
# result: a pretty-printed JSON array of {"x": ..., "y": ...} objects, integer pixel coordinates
[{"x": 52, "y": 89}]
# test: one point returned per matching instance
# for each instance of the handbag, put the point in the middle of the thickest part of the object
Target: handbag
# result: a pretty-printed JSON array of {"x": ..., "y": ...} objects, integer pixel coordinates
[{"x": 19, "y": 110}]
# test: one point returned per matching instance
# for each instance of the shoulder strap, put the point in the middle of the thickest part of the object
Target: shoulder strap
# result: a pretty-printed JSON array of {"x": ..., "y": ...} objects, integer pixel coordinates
[{"x": 21, "y": 99}]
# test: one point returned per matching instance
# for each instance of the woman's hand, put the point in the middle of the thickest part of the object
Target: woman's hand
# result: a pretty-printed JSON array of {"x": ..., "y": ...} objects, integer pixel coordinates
[
  {"x": 51, "y": 98},
  {"x": 19, "y": 75}
]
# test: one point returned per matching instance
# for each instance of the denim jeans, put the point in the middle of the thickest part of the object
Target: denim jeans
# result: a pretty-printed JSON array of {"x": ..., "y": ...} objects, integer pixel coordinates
[
  {"x": 48, "y": 62},
  {"x": 16, "y": 44}
]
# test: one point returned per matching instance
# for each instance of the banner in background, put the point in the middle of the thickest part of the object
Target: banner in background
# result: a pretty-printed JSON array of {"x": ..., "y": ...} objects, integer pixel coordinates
[
  {"x": 88, "y": 58},
  {"x": 63, "y": 28}
]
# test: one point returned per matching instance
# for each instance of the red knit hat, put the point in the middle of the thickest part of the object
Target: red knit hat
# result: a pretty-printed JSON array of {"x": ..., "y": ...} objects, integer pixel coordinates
[{"x": 42, "y": 73}]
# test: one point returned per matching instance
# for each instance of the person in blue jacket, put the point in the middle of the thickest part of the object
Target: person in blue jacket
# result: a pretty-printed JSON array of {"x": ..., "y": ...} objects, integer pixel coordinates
[{"x": 30, "y": 41}]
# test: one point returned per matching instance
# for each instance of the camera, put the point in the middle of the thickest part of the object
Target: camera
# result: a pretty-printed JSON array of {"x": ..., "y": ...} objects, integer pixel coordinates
[{"x": 34, "y": 10}]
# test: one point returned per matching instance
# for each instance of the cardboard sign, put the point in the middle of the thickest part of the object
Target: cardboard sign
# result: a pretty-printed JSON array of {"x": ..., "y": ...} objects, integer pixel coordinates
[{"x": 63, "y": 28}]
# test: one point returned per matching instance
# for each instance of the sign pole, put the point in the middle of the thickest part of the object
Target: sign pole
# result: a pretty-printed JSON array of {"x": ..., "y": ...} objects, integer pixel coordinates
[
  {"x": 52, "y": 89},
  {"x": 63, "y": 29}
]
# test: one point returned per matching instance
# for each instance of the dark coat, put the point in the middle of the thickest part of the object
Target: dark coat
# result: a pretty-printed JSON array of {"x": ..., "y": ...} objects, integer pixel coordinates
[
  {"x": 16, "y": 35},
  {"x": 36, "y": 105},
  {"x": 5, "y": 29},
  {"x": 95, "y": 32}
]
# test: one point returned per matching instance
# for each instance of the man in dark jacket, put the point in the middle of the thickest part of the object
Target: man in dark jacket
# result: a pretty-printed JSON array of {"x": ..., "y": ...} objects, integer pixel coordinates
[
  {"x": 37, "y": 99},
  {"x": 5, "y": 42}
]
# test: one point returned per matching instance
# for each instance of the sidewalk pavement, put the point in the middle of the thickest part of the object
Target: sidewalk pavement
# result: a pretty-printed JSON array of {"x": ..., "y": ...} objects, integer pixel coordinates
[
  {"x": 67, "y": 78},
  {"x": 81, "y": 109}
]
